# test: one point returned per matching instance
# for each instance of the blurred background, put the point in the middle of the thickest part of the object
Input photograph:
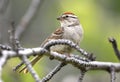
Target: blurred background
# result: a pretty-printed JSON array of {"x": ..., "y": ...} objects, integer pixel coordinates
[{"x": 99, "y": 18}]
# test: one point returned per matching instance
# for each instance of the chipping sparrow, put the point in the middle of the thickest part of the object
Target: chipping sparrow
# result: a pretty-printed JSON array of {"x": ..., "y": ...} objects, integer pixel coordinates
[{"x": 70, "y": 29}]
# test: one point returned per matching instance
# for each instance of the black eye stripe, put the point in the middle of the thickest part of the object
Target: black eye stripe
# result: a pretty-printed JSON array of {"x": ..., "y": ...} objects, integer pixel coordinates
[
  {"x": 70, "y": 16},
  {"x": 66, "y": 16},
  {"x": 73, "y": 17}
]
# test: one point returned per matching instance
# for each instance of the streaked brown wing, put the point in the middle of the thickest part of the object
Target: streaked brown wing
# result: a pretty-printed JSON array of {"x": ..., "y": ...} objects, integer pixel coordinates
[{"x": 58, "y": 34}]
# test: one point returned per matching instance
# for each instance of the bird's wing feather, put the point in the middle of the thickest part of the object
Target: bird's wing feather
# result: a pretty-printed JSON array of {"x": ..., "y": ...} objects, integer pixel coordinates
[{"x": 58, "y": 34}]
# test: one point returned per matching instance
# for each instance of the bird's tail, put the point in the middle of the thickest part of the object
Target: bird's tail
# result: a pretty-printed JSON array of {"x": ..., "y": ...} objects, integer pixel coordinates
[{"x": 33, "y": 62}]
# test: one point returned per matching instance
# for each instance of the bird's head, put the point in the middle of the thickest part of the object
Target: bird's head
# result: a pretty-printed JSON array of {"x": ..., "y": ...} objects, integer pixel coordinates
[{"x": 68, "y": 19}]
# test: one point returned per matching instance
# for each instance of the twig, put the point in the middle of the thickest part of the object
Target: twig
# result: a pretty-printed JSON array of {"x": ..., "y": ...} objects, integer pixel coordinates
[
  {"x": 5, "y": 47},
  {"x": 12, "y": 35},
  {"x": 71, "y": 44},
  {"x": 115, "y": 47},
  {"x": 14, "y": 41},
  {"x": 92, "y": 65},
  {"x": 27, "y": 18},
  {"x": 79, "y": 58},
  {"x": 34, "y": 50},
  {"x": 17, "y": 44},
  {"x": 53, "y": 72},
  {"x": 31, "y": 70},
  {"x": 16, "y": 48},
  {"x": 18, "y": 66},
  {"x": 112, "y": 74},
  {"x": 23, "y": 25},
  {"x": 82, "y": 73}
]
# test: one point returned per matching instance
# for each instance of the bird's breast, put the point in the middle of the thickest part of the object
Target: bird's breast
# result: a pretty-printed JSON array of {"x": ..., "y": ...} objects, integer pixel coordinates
[{"x": 73, "y": 33}]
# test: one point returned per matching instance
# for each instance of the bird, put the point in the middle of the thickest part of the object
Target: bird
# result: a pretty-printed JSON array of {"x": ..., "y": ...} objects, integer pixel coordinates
[{"x": 70, "y": 29}]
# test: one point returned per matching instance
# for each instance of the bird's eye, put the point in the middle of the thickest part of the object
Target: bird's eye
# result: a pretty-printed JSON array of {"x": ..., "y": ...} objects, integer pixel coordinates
[{"x": 66, "y": 16}]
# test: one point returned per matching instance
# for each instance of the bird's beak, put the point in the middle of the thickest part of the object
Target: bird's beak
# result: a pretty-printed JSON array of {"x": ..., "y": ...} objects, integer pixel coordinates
[{"x": 60, "y": 18}]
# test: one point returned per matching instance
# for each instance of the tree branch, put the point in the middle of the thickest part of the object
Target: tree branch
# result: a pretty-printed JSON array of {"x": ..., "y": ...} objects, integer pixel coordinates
[
  {"x": 31, "y": 70},
  {"x": 27, "y": 18},
  {"x": 82, "y": 73},
  {"x": 71, "y": 60},
  {"x": 71, "y": 44},
  {"x": 112, "y": 74},
  {"x": 76, "y": 61},
  {"x": 115, "y": 47},
  {"x": 53, "y": 72}
]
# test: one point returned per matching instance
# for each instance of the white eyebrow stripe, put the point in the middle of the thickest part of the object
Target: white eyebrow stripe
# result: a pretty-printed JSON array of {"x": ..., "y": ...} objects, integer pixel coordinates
[{"x": 70, "y": 16}]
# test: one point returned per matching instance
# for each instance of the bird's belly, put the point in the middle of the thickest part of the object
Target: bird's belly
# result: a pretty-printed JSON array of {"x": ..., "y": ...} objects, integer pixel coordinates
[
  {"x": 72, "y": 35},
  {"x": 61, "y": 49}
]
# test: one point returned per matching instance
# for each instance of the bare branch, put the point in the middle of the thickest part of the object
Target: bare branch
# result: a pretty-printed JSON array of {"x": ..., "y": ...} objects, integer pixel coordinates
[
  {"x": 71, "y": 60},
  {"x": 31, "y": 70},
  {"x": 5, "y": 47},
  {"x": 27, "y": 18},
  {"x": 53, "y": 72},
  {"x": 93, "y": 65},
  {"x": 112, "y": 74},
  {"x": 14, "y": 41},
  {"x": 82, "y": 73},
  {"x": 79, "y": 58},
  {"x": 12, "y": 34},
  {"x": 65, "y": 42},
  {"x": 18, "y": 66},
  {"x": 115, "y": 47},
  {"x": 5, "y": 17},
  {"x": 80, "y": 63},
  {"x": 71, "y": 44}
]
